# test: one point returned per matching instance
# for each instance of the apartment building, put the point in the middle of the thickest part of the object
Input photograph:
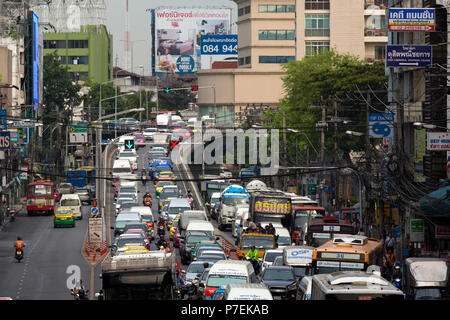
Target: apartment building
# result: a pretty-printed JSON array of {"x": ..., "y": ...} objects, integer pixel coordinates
[{"x": 273, "y": 32}]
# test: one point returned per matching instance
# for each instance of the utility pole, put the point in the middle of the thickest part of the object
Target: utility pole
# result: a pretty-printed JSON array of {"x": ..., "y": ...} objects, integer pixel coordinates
[
  {"x": 284, "y": 143},
  {"x": 336, "y": 158}
]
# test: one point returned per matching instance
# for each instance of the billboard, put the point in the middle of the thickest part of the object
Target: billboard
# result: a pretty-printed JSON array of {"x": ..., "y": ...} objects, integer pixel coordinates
[
  {"x": 177, "y": 37},
  {"x": 438, "y": 141},
  {"x": 402, "y": 19},
  {"x": 407, "y": 56}
]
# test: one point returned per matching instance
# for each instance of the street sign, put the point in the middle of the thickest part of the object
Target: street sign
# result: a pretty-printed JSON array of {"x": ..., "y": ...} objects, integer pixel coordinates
[
  {"x": 406, "y": 19},
  {"x": 94, "y": 212},
  {"x": 129, "y": 144},
  {"x": 408, "y": 56},
  {"x": 3, "y": 119},
  {"x": 24, "y": 173},
  {"x": 416, "y": 230},
  {"x": 77, "y": 129},
  {"x": 95, "y": 232},
  {"x": 381, "y": 125},
  {"x": 5, "y": 140},
  {"x": 77, "y": 137},
  {"x": 438, "y": 141},
  {"x": 14, "y": 135}
]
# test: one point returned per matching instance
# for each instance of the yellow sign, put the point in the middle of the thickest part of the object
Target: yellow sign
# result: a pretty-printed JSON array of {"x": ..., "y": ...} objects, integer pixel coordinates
[{"x": 268, "y": 205}]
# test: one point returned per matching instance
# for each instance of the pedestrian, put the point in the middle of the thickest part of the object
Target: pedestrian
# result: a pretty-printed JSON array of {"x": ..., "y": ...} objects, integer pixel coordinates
[
  {"x": 411, "y": 250},
  {"x": 390, "y": 242},
  {"x": 389, "y": 263},
  {"x": 271, "y": 229}
]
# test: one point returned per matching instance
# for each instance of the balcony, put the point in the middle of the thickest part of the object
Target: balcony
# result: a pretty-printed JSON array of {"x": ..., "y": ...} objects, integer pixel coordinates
[
  {"x": 376, "y": 4},
  {"x": 375, "y": 32}
]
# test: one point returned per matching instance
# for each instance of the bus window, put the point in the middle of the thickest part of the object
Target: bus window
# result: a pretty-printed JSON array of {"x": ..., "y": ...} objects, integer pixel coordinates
[{"x": 40, "y": 190}]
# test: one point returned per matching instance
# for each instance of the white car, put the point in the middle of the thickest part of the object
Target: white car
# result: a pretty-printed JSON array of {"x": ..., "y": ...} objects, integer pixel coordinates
[
  {"x": 73, "y": 202},
  {"x": 148, "y": 133},
  {"x": 225, "y": 173},
  {"x": 269, "y": 257}
]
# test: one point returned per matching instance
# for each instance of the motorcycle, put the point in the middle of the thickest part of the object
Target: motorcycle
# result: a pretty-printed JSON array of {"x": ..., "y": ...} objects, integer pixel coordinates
[
  {"x": 191, "y": 202},
  {"x": 397, "y": 282},
  {"x": 144, "y": 180},
  {"x": 189, "y": 292},
  {"x": 161, "y": 242},
  {"x": 79, "y": 293},
  {"x": 161, "y": 231},
  {"x": 148, "y": 203},
  {"x": 19, "y": 255}
]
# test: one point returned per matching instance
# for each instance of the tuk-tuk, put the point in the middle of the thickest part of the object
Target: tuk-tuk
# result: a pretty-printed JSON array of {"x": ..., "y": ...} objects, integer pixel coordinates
[
  {"x": 63, "y": 217},
  {"x": 300, "y": 259},
  {"x": 426, "y": 278}
]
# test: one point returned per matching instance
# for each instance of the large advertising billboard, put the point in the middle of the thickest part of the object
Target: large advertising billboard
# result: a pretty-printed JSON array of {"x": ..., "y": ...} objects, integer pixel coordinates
[{"x": 177, "y": 35}]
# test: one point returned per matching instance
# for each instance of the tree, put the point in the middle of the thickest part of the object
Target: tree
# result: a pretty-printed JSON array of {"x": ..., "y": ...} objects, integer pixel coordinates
[
  {"x": 319, "y": 81},
  {"x": 175, "y": 100},
  {"x": 60, "y": 95}
]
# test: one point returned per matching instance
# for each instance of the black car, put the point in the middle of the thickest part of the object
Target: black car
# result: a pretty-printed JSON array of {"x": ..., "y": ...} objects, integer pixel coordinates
[
  {"x": 189, "y": 242},
  {"x": 280, "y": 280}
]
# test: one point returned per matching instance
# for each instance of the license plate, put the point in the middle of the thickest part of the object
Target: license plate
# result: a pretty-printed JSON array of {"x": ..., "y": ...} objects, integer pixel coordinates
[
  {"x": 40, "y": 207},
  {"x": 19, "y": 252}
]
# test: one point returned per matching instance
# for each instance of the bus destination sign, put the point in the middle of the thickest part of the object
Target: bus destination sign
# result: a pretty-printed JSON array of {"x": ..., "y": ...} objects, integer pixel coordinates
[{"x": 273, "y": 205}]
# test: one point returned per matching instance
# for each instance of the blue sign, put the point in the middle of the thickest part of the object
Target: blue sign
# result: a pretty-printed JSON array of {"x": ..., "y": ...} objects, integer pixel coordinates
[
  {"x": 3, "y": 119},
  {"x": 381, "y": 124},
  {"x": 185, "y": 64},
  {"x": 408, "y": 56},
  {"x": 223, "y": 44},
  {"x": 94, "y": 211},
  {"x": 416, "y": 19},
  {"x": 5, "y": 140}
]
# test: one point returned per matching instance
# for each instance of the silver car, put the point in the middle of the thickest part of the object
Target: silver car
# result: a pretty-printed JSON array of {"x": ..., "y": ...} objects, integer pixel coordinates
[
  {"x": 84, "y": 194},
  {"x": 65, "y": 188}
]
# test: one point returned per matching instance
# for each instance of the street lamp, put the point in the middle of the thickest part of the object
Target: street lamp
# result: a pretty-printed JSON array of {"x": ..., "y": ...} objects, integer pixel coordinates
[
  {"x": 355, "y": 133},
  {"x": 421, "y": 125},
  {"x": 309, "y": 141}
]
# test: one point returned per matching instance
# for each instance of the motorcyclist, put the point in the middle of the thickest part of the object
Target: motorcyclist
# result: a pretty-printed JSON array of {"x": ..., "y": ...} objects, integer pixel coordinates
[
  {"x": 253, "y": 255},
  {"x": 144, "y": 176},
  {"x": 161, "y": 227},
  {"x": 397, "y": 272},
  {"x": 147, "y": 197},
  {"x": 189, "y": 194},
  {"x": 79, "y": 292},
  {"x": 19, "y": 245}
]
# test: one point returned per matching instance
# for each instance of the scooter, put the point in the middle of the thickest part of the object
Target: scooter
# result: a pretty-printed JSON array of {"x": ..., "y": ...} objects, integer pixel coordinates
[
  {"x": 19, "y": 255},
  {"x": 397, "y": 282},
  {"x": 161, "y": 231},
  {"x": 147, "y": 203},
  {"x": 79, "y": 293}
]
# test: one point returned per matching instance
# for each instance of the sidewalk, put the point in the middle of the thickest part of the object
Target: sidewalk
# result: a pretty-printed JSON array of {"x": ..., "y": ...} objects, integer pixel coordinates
[{"x": 18, "y": 208}]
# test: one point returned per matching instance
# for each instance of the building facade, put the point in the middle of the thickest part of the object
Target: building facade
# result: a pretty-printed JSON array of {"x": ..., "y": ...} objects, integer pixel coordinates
[
  {"x": 87, "y": 54},
  {"x": 274, "y": 32}
]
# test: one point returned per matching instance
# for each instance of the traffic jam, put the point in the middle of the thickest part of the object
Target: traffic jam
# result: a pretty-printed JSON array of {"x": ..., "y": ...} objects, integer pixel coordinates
[{"x": 229, "y": 237}]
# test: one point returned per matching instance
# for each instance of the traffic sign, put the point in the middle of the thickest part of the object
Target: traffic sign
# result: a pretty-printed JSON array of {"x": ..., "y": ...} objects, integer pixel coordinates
[
  {"x": 5, "y": 140},
  {"x": 129, "y": 144},
  {"x": 95, "y": 232},
  {"x": 94, "y": 212},
  {"x": 77, "y": 137},
  {"x": 77, "y": 129}
]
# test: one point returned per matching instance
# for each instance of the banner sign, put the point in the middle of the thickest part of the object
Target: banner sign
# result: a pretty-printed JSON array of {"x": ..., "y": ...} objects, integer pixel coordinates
[
  {"x": 273, "y": 205},
  {"x": 218, "y": 44},
  {"x": 5, "y": 140},
  {"x": 402, "y": 19},
  {"x": 177, "y": 39},
  {"x": 438, "y": 141},
  {"x": 408, "y": 56}
]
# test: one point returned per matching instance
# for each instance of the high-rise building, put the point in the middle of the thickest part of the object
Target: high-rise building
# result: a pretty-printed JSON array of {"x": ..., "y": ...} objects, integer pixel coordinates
[{"x": 274, "y": 32}]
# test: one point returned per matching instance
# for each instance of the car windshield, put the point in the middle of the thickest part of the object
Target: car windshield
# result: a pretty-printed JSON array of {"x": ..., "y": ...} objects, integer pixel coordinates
[
  {"x": 428, "y": 294},
  {"x": 223, "y": 280},
  {"x": 82, "y": 191},
  {"x": 284, "y": 241},
  {"x": 123, "y": 223},
  {"x": 302, "y": 216},
  {"x": 276, "y": 274},
  {"x": 124, "y": 241},
  {"x": 65, "y": 185},
  {"x": 278, "y": 261},
  {"x": 234, "y": 201},
  {"x": 125, "y": 196},
  {"x": 127, "y": 190},
  {"x": 196, "y": 238},
  {"x": 195, "y": 268},
  {"x": 270, "y": 256},
  {"x": 136, "y": 226},
  {"x": 169, "y": 192},
  {"x": 70, "y": 202},
  {"x": 165, "y": 183},
  {"x": 122, "y": 200},
  {"x": 258, "y": 242}
]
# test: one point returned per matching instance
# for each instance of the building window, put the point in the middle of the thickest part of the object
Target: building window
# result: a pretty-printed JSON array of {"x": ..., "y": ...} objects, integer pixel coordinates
[
  {"x": 240, "y": 61},
  {"x": 248, "y": 60},
  {"x": 275, "y": 59},
  {"x": 78, "y": 60},
  {"x": 317, "y": 25},
  {"x": 243, "y": 11},
  {"x": 63, "y": 59},
  {"x": 276, "y": 34},
  {"x": 380, "y": 52},
  {"x": 55, "y": 44},
  {"x": 315, "y": 47},
  {"x": 276, "y": 8},
  {"x": 78, "y": 44},
  {"x": 317, "y": 5}
]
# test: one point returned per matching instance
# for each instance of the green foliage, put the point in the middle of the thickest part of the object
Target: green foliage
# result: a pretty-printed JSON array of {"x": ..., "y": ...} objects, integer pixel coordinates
[
  {"x": 319, "y": 81},
  {"x": 175, "y": 100}
]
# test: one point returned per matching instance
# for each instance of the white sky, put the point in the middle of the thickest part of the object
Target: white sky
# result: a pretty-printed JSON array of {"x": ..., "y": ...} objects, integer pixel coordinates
[{"x": 139, "y": 26}]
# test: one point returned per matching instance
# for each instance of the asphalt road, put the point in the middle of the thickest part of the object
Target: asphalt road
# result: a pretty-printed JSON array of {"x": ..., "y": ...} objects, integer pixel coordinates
[{"x": 52, "y": 258}]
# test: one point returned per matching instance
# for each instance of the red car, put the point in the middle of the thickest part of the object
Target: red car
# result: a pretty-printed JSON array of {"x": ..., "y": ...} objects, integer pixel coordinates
[
  {"x": 56, "y": 195},
  {"x": 140, "y": 139}
]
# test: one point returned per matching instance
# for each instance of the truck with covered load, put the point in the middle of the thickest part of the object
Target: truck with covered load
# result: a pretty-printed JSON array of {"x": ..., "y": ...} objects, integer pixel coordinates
[{"x": 139, "y": 276}]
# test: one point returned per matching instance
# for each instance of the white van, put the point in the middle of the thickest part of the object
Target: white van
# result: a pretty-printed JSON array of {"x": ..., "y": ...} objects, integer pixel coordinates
[
  {"x": 128, "y": 186},
  {"x": 130, "y": 155},
  {"x": 147, "y": 217},
  {"x": 239, "y": 222},
  {"x": 72, "y": 201},
  {"x": 247, "y": 291},
  {"x": 224, "y": 272},
  {"x": 284, "y": 237},
  {"x": 200, "y": 225},
  {"x": 121, "y": 167}
]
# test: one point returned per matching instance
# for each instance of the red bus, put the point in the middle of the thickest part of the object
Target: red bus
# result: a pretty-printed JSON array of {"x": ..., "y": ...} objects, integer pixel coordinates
[
  {"x": 40, "y": 197},
  {"x": 321, "y": 229}
]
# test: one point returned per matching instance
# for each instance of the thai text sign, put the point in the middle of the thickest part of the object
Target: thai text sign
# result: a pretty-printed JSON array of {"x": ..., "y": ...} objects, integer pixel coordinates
[
  {"x": 272, "y": 205},
  {"x": 407, "y": 56},
  {"x": 402, "y": 19},
  {"x": 438, "y": 141}
]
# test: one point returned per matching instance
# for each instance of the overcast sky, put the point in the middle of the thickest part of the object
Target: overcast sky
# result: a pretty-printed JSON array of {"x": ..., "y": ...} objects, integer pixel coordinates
[{"x": 139, "y": 26}]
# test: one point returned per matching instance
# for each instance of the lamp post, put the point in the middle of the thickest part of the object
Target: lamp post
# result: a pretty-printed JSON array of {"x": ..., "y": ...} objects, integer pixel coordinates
[{"x": 140, "y": 91}]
